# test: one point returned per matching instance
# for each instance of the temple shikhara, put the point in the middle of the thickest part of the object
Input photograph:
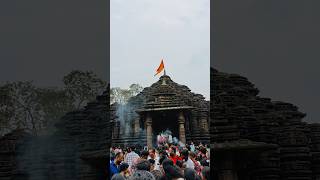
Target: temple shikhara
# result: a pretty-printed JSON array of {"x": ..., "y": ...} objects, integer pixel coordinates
[
  {"x": 165, "y": 105},
  {"x": 255, "y": 138}
]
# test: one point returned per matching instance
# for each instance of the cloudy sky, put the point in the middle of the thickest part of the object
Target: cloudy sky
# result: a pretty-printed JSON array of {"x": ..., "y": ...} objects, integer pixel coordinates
[
  {"x": 142, "y": 32},
  {"x": 275, "y": 44},
  {"x": 42, "y": 41}
]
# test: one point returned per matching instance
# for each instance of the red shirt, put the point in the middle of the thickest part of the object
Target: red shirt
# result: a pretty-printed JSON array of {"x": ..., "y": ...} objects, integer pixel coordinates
[{"x": 175, "y": 159}]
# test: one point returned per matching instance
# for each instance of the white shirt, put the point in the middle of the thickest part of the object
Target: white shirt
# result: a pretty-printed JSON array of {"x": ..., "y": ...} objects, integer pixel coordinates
[
  {"x": 156, "y": 162},
  {"x": 189, "y": 164}
]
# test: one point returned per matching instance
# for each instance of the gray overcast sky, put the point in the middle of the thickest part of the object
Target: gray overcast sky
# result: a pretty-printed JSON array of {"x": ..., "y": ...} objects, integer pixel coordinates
[
  {"x": 275, "y": 44},
  {"x": 44, "y": 40},
  {"x": 145, "y": 31}
]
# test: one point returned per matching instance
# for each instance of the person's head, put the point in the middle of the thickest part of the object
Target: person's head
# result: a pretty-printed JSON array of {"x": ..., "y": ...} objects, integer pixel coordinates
[
  {"x": 190, "y": 174},
  {"x": 185, "y": 154},
  {"x": 172, "y": 154},
  {"x": 143, "y": 164},
  {"x": 118, "y": 158},
  {"x": 144, "y": 154},
  {"x": 205, "y": 173},
  {"x": 203, "y": 150},
  {"x": 204, "y": 162},
  {"x": 152, "y": 153},
  {"x": 162, "y": 153},
  {"x": 124, "y": 167},
  {"x": 172, "y": 172},
  {"x": 167, "y": 162},
  {"x": 192, "y": 155},
  {"x": 131, "y": 148},
  {"x": 152, "y": 164},
  {"x": 157, "y": 174},
  {"x": 117, "y": 177},
  {"x": 141, "y": 174}
]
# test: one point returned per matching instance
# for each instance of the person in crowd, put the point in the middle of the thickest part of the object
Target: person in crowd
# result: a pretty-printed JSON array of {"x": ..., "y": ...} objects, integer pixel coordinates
[
  {"x": 204, "y": 162},
  {"x": 205, "y": 173},
  {"x": 152, "y": 164},
  {"x": 173, "y": 156},
  {"x": 114, "y": 165},
  {"x": 153, "y": 155},
  {"x": 118, "y": 177},
  {"x": 157, "y": 174},
  {"x": 142, "y": 175},
  {"x": 144, "y": 154},
  {"x": 124, "y": 170},
  {"x": 185, "y": 157},
  {"x": 190, "y": 174},
  {"x": 131, "y": 156},
  {"x": 192, "y": 147},
  {"x": 143, "y": 164},
  {"x": 171, "y": 172},
  {"x": 196, "y": 163},
  {"x": 169, "y": 161}
]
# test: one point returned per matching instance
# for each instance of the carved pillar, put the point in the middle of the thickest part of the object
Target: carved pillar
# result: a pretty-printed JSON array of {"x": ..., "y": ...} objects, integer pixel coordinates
[
  {"x": 204, "y": 122},
  {"x": 182, "y": 131},
  {"x": 136, "y": 127},
  {"x": 149, "y": 130}
]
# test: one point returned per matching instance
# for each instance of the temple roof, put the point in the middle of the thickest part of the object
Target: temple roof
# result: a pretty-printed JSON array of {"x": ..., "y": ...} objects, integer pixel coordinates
[{"x": 165, "y": 94}]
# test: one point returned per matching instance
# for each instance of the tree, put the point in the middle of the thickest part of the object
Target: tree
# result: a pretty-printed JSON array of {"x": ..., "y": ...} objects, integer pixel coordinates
[
  {"x": 21, "y": 108},
  {"x": 121, "y": 96},
  {"x": 135, "y": 89},
  {"x": 6, "y": 110},
  {"x": 54, "y": 103},
  {"x": 83, "y": 86}
]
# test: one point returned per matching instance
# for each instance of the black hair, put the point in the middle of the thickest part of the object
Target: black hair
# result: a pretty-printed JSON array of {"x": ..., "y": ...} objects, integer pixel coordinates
[
  {"x": 123, "y": 167},
  {"x": 162, "y": 158},
  {"x": 167, "y": 162},
  {"x": 204, "y": 162},
  {"x": 185, "y": 153},
  {"x": 172, "y": 172},
  {"x": 190, "y": 174},
  {"x": 145, "y": 153},
  {"x": 179, "y": 163},
  {"x": 152, "y": 161},
  {"x": 143, "y": 165}
]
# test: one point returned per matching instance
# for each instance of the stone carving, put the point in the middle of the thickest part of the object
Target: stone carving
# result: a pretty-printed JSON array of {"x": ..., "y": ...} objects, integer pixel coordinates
[{"x": 279, "y": 145}]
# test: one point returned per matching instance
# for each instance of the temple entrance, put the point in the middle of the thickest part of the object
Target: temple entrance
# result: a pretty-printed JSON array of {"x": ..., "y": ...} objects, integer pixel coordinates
[{"x": 162, "y": 121}]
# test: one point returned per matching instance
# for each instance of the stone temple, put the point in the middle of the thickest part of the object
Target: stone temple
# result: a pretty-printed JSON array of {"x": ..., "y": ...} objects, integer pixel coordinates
[
  {"x": 164, "y": 105},
  {"x": 255, "y": 138},
  {"x": 252, "y": 138}
]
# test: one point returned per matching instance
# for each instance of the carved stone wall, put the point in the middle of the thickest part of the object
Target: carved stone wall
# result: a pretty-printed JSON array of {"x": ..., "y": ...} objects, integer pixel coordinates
[
  {"x": 238, "y": 112},
  {"x": 78, "y": 149}
]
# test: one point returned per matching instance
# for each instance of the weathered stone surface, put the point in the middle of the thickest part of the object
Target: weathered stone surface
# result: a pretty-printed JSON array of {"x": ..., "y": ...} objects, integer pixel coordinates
[
  {"x": 78, "y": 149},
  {"x": 238, "y": 113}
]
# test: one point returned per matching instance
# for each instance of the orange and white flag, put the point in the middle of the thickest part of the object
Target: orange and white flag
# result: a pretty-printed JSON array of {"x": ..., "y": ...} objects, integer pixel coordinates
[{"x": 160, "y": 68}]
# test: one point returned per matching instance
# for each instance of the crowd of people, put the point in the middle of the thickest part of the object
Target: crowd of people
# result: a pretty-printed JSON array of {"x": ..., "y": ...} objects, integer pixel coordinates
[{"x": 166, "y": 162}]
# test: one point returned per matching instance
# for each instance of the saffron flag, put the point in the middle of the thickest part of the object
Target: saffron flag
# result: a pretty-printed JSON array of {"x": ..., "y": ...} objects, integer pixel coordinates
[{"x": 160, "y": 68}]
